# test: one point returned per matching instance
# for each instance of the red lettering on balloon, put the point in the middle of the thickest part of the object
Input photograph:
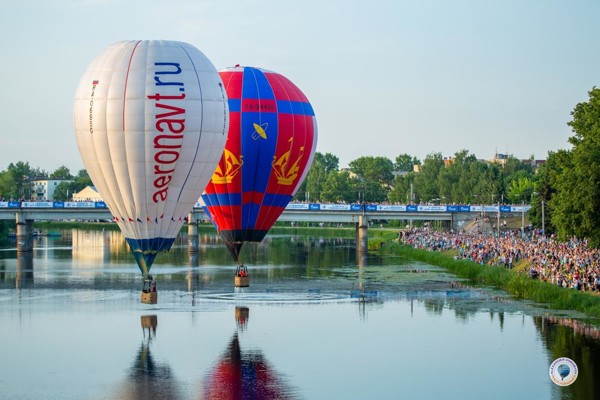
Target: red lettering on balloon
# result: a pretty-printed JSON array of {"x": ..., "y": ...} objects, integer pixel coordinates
[
  {"x": 160, "y": 195},
  {"x": 170, "y": 120},
  {"x": 162, "y": 181},
  {"x": 166, "y": 139}
]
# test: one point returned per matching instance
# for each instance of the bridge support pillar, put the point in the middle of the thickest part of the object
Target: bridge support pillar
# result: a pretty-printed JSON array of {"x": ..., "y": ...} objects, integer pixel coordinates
[
  {"x": 193, "y": 277},
  {"x": 362, "y": 238},
  {"x": 24, "y": 233},
  {"x": 24, "y": 276},
  {"x": 192, "y": 233}
]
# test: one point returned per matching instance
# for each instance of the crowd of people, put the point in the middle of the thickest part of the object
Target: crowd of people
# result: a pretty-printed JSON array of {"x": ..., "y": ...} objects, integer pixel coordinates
[{"x": 572, "y": 264}]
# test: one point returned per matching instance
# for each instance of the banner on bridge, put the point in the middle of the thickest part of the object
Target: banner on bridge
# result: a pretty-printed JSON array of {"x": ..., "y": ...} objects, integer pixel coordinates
[{"x": 354, "y": 207}]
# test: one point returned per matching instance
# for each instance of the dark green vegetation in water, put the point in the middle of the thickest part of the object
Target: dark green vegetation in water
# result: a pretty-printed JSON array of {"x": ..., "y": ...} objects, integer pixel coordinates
[{"x": 518, "y": 284}]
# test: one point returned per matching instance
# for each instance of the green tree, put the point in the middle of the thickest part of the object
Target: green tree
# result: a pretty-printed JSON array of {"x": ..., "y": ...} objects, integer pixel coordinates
[
  {"x": 314, "y": 180},
  {"x": 375, "y": 169},
  {"x": 512, "y": 170},
  {"x": 426, "y": 185},
  {"x": 469, "y": 174},
  {"x": 576, "y": 204},
  {"x": 400, "y": 192},
  {"x": 23, "y": 169},
  {"x": 545, "y": 190},
  {"x": 521, "y": 188},
  {"x": 453, "y": 177},
  {"x": 374, "y": 176},
  {"x": 405, "y": 162},
  {"x": 65, "y": 190},
  {"x": 329, "y": 161},
  {"x": 338, "y": 187},
  {"x": 22, "y": 174},
  {"x": 8, "y": 186},
  {"x": 61, "y": 172}
]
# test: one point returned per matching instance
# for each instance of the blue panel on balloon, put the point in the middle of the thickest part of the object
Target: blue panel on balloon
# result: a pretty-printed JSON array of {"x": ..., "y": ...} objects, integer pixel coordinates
[
  {"x": 249, "y": 215},
  {"x": 255, "y": 85},
  {"x": 258, "y": 144},
  {"x": 150, "y": 245},
  {"x": 276, "y": 200}
]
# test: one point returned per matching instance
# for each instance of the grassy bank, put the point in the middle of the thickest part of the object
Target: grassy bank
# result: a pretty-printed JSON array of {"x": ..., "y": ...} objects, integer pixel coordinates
[{"x": 520, "y": 285}]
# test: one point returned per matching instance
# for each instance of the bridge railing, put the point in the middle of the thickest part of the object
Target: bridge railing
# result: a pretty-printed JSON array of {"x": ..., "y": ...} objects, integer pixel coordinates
[{"x": 355, "y": 207}]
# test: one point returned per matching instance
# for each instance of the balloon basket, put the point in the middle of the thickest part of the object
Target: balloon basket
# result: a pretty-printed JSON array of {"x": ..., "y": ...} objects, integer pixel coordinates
[
  {"x": 149, "y": 321},
  {"x": 149, "y": 297},
  {"x": 242, "y": 281}
]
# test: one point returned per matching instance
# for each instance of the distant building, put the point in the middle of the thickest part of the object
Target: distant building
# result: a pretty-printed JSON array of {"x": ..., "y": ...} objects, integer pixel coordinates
[
  {"x": 88, "y": 193},
  {"x": 499, "y": 158},
  {"x": 503, "y": 158},
  {"x": 349, "y": 171},
  {"x": 42, "y": 189},
  {"x": 534, "y": 163}
]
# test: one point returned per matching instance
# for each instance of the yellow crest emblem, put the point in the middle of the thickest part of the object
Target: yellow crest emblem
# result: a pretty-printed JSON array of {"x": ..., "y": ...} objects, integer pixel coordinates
[
  {"x": 286, "y": 175},
  {"x": 226, "y": 173}
]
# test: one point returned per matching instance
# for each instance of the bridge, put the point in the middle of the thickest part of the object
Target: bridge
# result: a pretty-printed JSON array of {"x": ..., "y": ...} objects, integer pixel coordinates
[{"x": 25, "y": 213}]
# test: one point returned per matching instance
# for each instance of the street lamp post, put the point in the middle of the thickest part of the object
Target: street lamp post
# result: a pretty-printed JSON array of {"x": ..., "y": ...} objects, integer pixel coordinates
[
  {"x": 523, "y": 219},
  {"x": 480, "y": 224},
  {"x": 543, "y": 219},
  {"x": 482, "y": 218},
  {"x": 498, "y": 223}
]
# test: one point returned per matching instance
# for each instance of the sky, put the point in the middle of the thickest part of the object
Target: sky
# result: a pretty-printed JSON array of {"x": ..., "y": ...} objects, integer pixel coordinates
[{"x": 385, "y": 77}]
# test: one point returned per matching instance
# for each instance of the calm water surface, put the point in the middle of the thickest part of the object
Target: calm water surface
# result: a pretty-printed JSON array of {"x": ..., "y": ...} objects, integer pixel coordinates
[{"x": 316, "y": 323}]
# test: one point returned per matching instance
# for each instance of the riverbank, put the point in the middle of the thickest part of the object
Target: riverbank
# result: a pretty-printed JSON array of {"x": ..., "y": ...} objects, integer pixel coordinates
[{"x": 518, "y": 284}]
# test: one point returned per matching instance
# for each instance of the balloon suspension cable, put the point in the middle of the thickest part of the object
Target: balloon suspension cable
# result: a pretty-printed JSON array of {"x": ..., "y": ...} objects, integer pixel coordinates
[{"x": 234, "y": 249}]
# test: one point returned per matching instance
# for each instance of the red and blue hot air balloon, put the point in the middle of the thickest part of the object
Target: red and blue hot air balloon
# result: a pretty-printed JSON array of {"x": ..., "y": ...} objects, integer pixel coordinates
[{"x": 270, "y": 146}]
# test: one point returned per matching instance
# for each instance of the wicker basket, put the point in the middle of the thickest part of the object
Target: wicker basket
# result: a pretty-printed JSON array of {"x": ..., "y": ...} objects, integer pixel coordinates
[
  {"x": 242, "y": 281},
  {"x": 149, "y": 297}
]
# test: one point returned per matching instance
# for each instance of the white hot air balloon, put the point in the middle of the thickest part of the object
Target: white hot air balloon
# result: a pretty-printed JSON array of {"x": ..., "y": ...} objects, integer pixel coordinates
[{"x": 151, "y": 120}]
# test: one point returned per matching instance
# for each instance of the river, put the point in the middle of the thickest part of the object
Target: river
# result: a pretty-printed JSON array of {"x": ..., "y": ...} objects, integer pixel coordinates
[{"x": 317, "y": 322}]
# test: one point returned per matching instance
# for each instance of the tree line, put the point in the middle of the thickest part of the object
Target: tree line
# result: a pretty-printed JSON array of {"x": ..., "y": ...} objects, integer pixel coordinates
[
  {"x": 564, "y": 192},
  {"x": 461, "y": 179},
  {"x": 16, "y": 181}
]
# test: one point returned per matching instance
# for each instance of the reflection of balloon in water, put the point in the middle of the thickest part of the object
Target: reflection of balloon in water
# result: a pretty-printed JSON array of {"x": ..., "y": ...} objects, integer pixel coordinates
[
  {"x": 270, "y": 147},
  {"x": 245, "y": 375},
  {"x": 150, "y": 119},
  {"x": 241, "y": 317},
  {"x": 148, "y": 379},
  {"x": 563, "y": 370}
]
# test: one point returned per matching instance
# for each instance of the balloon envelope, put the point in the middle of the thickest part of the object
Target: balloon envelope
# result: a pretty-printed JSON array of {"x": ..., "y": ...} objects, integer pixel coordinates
[
  {"x": 151, "y": 119},
  {"x": 270, "y": 146}
]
